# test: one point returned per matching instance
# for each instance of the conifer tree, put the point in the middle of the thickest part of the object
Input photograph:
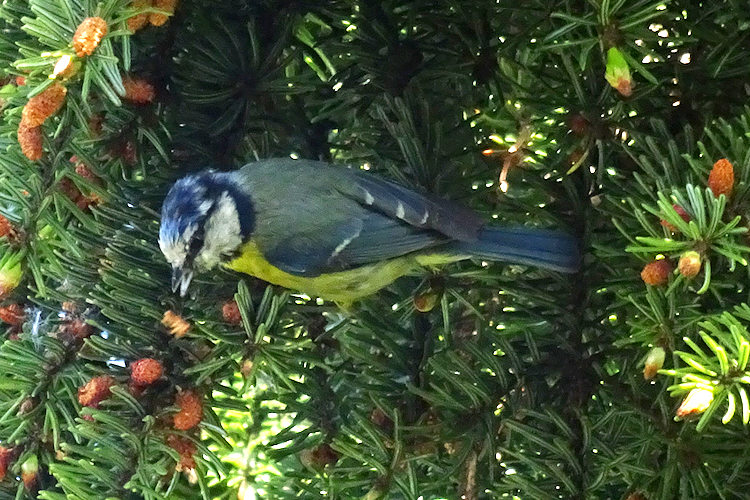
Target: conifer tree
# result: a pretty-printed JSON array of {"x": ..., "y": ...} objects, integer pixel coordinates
[{"x": 623, "y": 123}]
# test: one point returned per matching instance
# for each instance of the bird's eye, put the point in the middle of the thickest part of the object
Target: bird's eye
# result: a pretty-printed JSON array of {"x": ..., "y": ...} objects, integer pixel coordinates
[{"x": 196, "y": 244}]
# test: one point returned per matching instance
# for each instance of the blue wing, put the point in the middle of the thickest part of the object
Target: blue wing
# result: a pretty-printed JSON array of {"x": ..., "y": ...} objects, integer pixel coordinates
[
  {"x": 351, "y": 243},
  {"x": 383, "y": 238},
  {"x": 314, "y": 218}
]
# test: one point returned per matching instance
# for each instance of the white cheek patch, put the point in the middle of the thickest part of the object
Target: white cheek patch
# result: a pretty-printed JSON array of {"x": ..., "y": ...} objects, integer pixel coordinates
[
  {"x": 222, "y": 233},
  {"x": 176, "y": 251},
  {"x": 170, "y": 253}
]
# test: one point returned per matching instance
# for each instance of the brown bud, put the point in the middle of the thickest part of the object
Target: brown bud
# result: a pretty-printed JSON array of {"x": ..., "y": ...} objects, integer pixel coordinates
[
  {"x": 146, "y": 371},
  {"x": 6, "y": 228},
  {"x": 6, "y": 457},
  {"x": 186, "y": 448},
  {"x": 95, "y": 391},
  {"x": 689, "y": 264},
  {"x": 84, "y": 171},
  {"x": 231, "y": 312},
  {"x": 138, "y": 21},
  {"x": 69, "y": 189},
  {"x": 30, "y": 473},
  {"x": 175, "y": 323},
  {"x": 138, "y": 90},
  {"x": 75, "y": 328},
  {"x": 165, "y": 5},
  {"x": 12, "y": 314},
  {"x": 191, "y": 410},
  {"x": 31, "y": 141},
  {"x": 654, "y": 362},
  {"x": 89, "y": 35},
  {"x": 319, "y": 457},
  {"x": 697, "y": 401},
  {"x": 43, "y": 105},
  {"x": 656, "y": 273},
  {"x": 721, "y": 178}
]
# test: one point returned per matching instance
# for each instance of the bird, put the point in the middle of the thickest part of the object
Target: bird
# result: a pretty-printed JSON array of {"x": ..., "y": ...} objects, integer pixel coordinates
[{"x": 330, "y": 231}]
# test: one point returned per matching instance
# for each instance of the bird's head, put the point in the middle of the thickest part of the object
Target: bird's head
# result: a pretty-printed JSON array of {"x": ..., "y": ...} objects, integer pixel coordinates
[{"x": 205, "y": 219}]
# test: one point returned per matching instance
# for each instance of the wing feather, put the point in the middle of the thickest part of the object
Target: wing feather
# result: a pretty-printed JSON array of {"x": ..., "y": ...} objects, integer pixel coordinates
[
  {"x": 415, "y": 209},
  {"x": 313, "y": 218}
]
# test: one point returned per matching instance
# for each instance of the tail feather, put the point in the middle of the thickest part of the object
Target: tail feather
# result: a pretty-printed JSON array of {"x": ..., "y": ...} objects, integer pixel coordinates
[{"x": 543, "y": 248}]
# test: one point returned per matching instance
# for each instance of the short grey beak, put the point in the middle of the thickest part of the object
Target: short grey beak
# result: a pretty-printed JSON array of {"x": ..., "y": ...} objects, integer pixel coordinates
[{"x": 181, "y": 279}]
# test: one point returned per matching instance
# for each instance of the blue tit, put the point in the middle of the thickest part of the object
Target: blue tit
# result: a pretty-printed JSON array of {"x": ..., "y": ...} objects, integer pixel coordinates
[{"x": 332, "y": 232}]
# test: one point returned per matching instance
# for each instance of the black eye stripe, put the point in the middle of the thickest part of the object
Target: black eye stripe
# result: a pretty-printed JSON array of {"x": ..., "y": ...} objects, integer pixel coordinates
[{"x": 196, "y": 243}]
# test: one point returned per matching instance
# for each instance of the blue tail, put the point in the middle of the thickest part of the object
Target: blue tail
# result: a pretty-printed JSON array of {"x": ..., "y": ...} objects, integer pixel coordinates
[{"x": 543, "y": 248}]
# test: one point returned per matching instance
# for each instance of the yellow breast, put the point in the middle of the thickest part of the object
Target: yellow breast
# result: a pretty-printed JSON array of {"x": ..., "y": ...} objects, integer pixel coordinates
[{"x": 342, "y": 286}]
